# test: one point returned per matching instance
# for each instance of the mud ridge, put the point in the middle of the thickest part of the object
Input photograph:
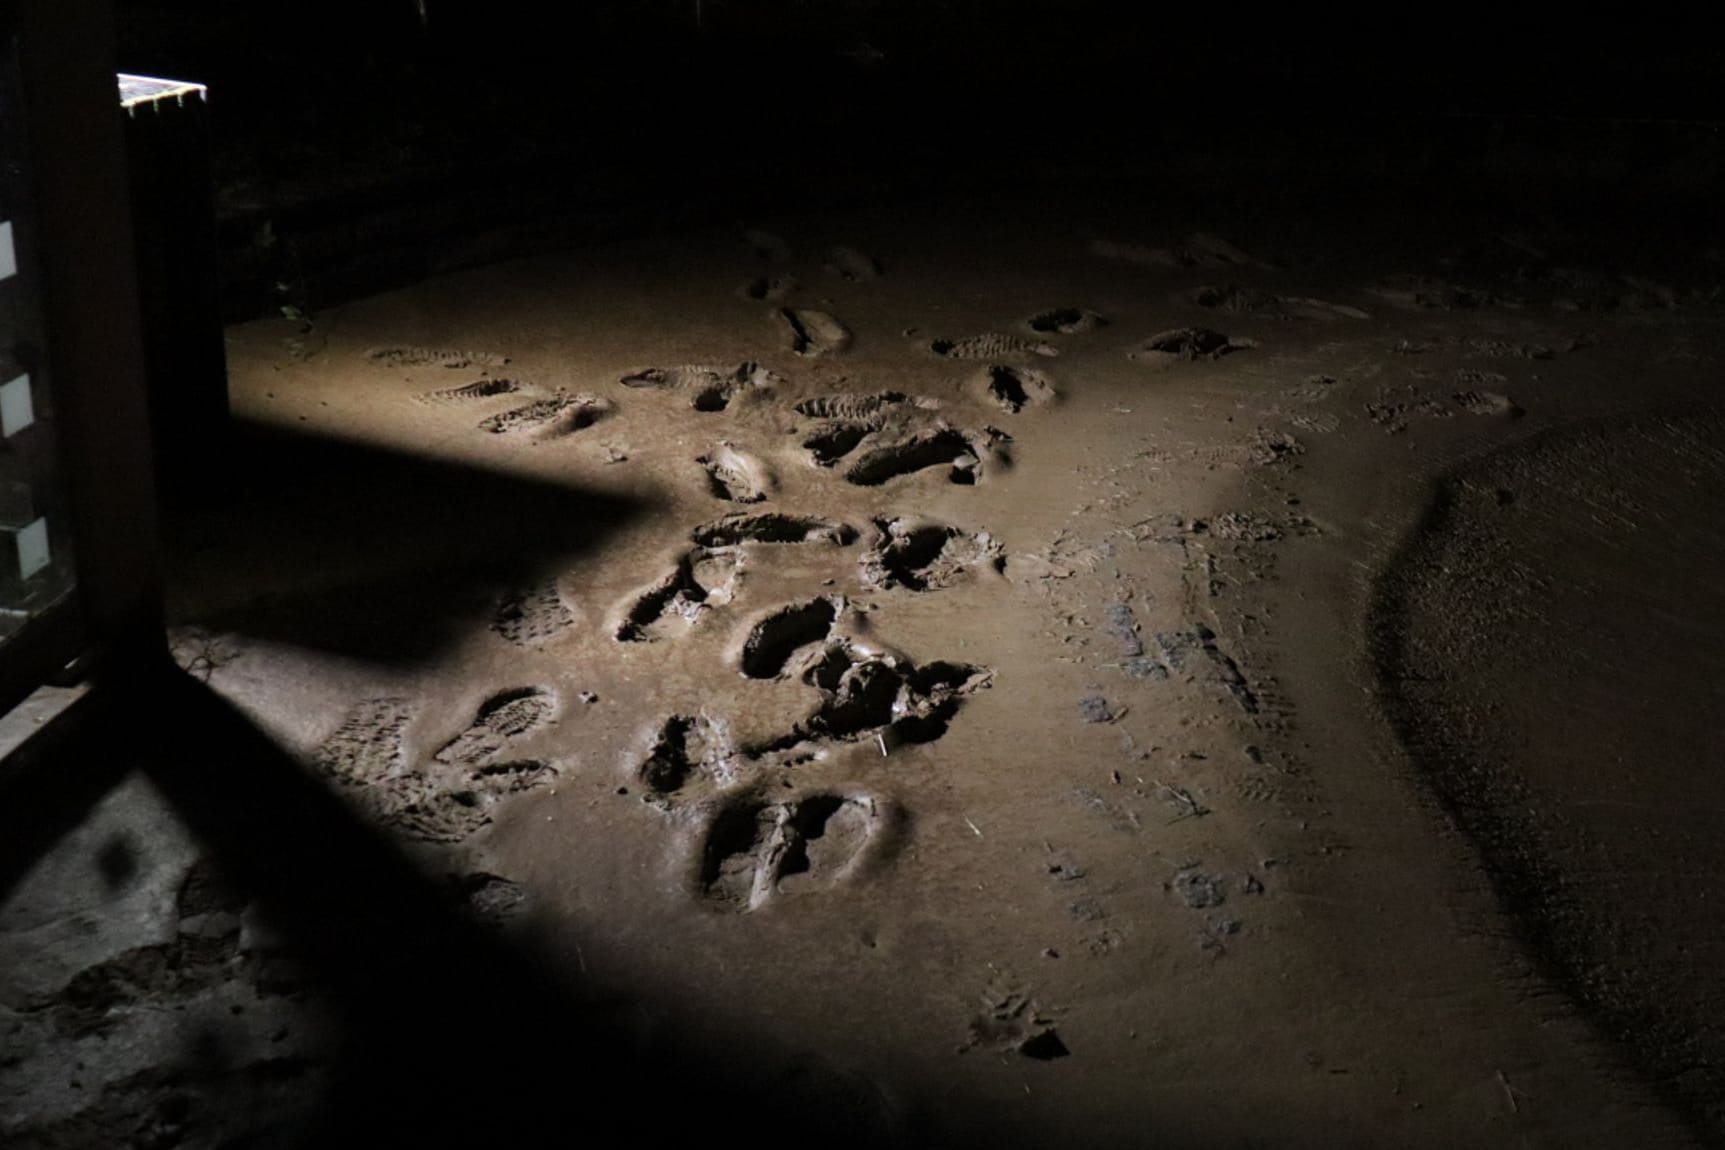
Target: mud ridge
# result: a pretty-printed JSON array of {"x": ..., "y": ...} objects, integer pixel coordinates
[{"x": 808, "y": 332}]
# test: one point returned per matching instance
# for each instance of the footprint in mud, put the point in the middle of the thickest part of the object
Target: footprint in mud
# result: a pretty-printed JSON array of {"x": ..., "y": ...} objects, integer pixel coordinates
[
  {"x": 1487, "y": 403},
  {"x": 711, "y": 388},
  {"x": 990, "y": 345},
  {"x": 754, "y": 850},
  {"x": 529, "y": 616},
  {"x": 808, "y": 332},
  {"x": 433, "y": 357},
  {"x": 769, "y": 289},
  {"x": 451, "y": 798},
  {"x": 1065, "y": 321},
  {"x": 367, "y": 747},
  {"x": 921, "y": 555},
  {"x": 850, "y": 418},
  {"x": 831, "y": 442},
  {"x": 1010, "y": 1020},
  {"x": 501, "y": 719},
  {"x": 773, "y": 527},
  {"x": 853, "y": 405},
  {"x": 1187, "y": 343},
  {"x": 553, "y": 417},
  {"x": 851, "y": 265},
  {"x": 737, "y": 476},
  {"x": 469, "y": 393},
  {"x": 702, "y": 579},
  {"x": 871, "y": 694},
  {"x": 962, "y": 453},
  {"x": 1015, "y": 388},
  {"x": 687, "y": 749},
  {"x": 769, "y": 643}
]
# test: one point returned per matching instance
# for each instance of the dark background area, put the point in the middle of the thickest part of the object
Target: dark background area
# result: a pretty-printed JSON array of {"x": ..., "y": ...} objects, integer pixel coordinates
[{"x": 360, "y": 133}]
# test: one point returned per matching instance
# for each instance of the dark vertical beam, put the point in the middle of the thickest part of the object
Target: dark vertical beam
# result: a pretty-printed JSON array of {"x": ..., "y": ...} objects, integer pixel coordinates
[{"x": 90, "y": 300}]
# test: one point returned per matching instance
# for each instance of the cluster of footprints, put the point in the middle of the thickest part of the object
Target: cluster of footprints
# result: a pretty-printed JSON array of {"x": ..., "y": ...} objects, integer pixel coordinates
[
  {"x": 761, "y": 820},
  {"x": 759, "y": 827}
]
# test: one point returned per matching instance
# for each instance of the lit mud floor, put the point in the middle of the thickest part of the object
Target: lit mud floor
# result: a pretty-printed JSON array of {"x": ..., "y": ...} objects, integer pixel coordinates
[{"x": 946, "y": 670}]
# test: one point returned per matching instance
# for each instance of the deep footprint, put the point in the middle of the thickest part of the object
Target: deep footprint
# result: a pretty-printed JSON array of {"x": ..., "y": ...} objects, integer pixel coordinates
[
  {"x": 755, "y": 850},
  {"x": 711, "y": 388},
  {"x": 924, "y": 556},
  {"x": 687, "y": 747},
  {"x": 1015, "y": 388},
  {"x": 937, "y": 447},
  {"x": 884, "y": 696},
  {"x": 830, "y": 443},
  {"x": 772, "y": 641},
  {"x": 1065, "y": 321},
  {"x": 812, "y": 333},
  {"x": 700, "y": 579}
]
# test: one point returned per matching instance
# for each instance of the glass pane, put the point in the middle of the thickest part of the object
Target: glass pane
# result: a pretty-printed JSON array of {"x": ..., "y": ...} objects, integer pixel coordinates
[{"x": 35, "y": 561}]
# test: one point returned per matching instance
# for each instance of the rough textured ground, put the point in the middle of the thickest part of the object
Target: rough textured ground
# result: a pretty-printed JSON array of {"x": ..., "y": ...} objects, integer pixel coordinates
[{"x": 942, "y": 652}]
